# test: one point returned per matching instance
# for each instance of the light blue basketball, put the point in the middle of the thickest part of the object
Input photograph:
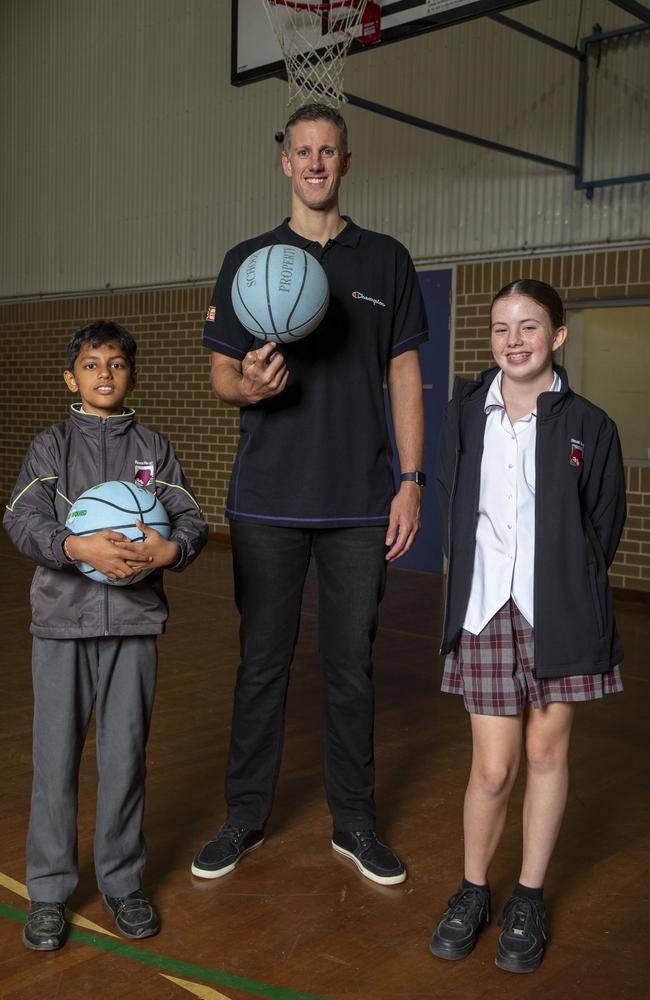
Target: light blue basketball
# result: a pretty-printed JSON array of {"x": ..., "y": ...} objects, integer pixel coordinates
[
  {"x": 115, "y": 506},
  {"x": 280, "y": 293}
]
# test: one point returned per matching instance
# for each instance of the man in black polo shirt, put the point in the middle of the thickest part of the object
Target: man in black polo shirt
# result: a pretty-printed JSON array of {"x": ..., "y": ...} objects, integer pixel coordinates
[{"x": 313, "y": 477}]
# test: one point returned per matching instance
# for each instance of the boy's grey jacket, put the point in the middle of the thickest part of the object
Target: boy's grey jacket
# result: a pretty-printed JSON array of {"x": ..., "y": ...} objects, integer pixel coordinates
[
  {"x": 63, "y": 461},
  {"x": 579, "y": 517}
]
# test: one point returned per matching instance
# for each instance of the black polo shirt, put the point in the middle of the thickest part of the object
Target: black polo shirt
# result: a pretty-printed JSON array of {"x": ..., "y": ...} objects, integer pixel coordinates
[{"x": 318, "y": 454}]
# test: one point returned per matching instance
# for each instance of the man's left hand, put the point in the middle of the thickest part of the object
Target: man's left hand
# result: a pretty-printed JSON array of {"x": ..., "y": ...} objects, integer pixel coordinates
[{"x": 404, "y": 521}]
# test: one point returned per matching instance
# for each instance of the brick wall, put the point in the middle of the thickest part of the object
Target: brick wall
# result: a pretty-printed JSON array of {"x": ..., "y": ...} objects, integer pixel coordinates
[
  {"x": 631, "y": 568},
  {"x": 173, "y": 394},
  {"x": 174, "y": 391},
  {"x": 615, "y": 274}
]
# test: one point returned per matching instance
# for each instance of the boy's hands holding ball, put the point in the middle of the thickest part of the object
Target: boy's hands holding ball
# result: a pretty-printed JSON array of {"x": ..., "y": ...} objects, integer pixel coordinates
[
  {"x": 156, "y": 550},
  {"x": 109, "y": 552}
]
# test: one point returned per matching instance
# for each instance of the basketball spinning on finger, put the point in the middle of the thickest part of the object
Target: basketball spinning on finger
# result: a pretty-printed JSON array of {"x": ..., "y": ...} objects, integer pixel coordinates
[{"x": 280, "y": 293}]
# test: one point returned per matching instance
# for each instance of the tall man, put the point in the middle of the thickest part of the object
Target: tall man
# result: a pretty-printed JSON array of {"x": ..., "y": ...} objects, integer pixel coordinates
[{"x": 313, "y": 477}]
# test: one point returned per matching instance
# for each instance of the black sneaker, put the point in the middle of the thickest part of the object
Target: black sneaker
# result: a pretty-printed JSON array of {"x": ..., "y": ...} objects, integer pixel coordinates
[
  {"x": 134, "y": 915},
  {"x": 373, "y": 858},
  {"x": 46, "y": 927},
  {"x": 521, "y": 942},
  {"x": 467, "y": 912},
  {"x": 221, "y": 855}
]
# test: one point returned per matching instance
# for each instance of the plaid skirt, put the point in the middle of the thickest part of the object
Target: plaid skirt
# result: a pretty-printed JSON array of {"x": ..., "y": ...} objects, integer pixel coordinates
[{"x": 495, "y": 671}]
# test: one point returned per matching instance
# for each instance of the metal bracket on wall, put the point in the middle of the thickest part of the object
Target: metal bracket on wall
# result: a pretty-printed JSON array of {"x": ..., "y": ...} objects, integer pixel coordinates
[
  {"x": 596, "y": 38},
  {"x": 577, "y": 168},
  {"x": 633, "y": 7},
  {"x": 539, "y": 36},
  {"x": 452, "y": 133}
]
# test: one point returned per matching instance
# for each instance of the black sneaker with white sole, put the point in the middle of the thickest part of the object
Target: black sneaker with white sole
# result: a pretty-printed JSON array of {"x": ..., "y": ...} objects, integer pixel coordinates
[
  {"x": 373, "y": 858},
  {"x": 223, "y": 854},
  {"x": 467, "y": 912},
  {"x": 45, "y": 928},
  {"x": 521, "y": 942}
]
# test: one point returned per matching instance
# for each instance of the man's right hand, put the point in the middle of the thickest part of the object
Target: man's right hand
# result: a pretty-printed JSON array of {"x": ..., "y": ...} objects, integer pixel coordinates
[
  {"x": 100, "y": 551},
  {"x": 264, "y": 373}
]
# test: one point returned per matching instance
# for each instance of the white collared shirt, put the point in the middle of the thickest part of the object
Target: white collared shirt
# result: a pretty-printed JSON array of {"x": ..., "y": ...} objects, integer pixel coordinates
[{"x": 504, "y": 560}]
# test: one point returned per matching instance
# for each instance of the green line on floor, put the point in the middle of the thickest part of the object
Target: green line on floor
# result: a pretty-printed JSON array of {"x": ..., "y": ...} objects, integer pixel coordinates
[{"x": 175, "y": 965}]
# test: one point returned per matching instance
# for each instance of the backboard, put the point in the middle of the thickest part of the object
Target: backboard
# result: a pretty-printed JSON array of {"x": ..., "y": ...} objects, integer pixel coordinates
[{"x": 256, "y": 55}]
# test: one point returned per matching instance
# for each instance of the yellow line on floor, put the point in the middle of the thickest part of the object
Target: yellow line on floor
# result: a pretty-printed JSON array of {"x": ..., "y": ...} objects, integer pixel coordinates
[
  {"x": 203, "y": 992},
  {"x": 14, "y": 611},
  {"x": 75, "y": 918}
]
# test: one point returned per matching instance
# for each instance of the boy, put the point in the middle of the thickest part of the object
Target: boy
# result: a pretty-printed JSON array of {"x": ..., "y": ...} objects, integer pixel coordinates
[{"x": 94, "y": 643}]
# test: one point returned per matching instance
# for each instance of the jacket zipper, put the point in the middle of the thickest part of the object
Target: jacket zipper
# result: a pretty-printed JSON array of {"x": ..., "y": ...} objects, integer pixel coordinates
[
  {"x": 537, "y": 548},
  {"x": 477, "y": 497},
  {"x": 104, "y": 473},
  {"x": 102, "y": 450},
  {"x": 452, "y": 496}
]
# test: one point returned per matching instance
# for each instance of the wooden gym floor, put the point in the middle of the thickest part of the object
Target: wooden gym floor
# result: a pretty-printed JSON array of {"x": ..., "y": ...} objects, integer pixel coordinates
[{"x": 295, "y": 920}]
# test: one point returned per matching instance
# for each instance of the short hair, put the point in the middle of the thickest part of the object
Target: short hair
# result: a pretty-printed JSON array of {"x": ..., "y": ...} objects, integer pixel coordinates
[
  {"x": 541, "y": 293},
  {"x": 316, "y": 113},
  {"x": 101, "y": 331}
]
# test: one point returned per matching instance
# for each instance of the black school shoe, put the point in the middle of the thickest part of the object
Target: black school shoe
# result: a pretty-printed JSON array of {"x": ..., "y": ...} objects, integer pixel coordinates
[
  {"x": 467, "y": 912},
  {"x": 373, "y": 858},
  {"x": 134, "y": 915},
  {"x": 221, "y": 855},
  {"x": 521, "y": 943},
  {"x": 46, "y": 927}
]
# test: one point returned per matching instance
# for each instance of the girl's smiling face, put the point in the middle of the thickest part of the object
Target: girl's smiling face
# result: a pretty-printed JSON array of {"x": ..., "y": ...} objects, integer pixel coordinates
[{"x": 523, "y": 339}]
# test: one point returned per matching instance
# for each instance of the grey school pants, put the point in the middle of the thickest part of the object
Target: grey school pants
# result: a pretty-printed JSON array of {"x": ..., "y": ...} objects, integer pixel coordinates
[{"x": 118, "y": 676}]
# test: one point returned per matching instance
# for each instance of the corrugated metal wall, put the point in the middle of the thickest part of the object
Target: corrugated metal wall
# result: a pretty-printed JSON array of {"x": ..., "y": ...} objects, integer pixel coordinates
[{"x": 132, "y": 161}]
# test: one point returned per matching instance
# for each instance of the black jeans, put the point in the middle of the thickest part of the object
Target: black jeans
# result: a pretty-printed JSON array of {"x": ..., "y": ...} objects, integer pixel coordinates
[{"x": 270, "y": 565}]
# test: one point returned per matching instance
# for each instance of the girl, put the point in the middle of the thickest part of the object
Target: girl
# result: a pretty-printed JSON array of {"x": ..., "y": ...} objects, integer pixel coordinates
[{"x": 531, "y": 486}]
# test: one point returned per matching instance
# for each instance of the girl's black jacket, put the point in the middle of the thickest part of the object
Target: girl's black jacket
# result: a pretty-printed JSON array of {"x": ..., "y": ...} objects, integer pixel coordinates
[{"x": 579, "y": 517}]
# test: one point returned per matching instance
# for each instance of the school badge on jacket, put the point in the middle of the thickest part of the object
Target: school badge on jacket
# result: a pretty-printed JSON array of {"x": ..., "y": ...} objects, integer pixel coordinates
[
  {"x": 577, "y": 454},
  {"x": 144, "y": 473}
]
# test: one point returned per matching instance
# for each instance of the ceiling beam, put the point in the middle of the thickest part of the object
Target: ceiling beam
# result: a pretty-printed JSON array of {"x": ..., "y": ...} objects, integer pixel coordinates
[
  {"x": 539, "y": 36},
  {"x": 635, "y": 9}
]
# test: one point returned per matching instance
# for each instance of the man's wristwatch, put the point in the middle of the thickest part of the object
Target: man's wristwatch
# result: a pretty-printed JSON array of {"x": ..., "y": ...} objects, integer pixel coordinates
[{"x": 418, "y": 478}]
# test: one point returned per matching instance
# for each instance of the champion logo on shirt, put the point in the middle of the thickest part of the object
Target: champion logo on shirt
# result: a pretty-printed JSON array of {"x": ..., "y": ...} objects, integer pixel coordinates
[
  {"x": 577, "y": 454},
  {"x": 211, "y": 314},
  {"x": 144, "y": 473},
  {"x": 368, "y": 298}
]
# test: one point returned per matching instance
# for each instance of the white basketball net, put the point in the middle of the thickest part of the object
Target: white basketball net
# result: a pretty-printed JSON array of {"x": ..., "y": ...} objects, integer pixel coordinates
[{"x": 315, "y": 38}]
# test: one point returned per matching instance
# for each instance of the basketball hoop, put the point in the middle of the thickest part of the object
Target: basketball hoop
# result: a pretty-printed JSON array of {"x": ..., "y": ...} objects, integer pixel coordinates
[{"x": 315, "y": 39}]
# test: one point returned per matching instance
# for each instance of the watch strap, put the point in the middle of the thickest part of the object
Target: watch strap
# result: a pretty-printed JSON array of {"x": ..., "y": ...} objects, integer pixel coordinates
[{"x": 414, "y": 477}]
